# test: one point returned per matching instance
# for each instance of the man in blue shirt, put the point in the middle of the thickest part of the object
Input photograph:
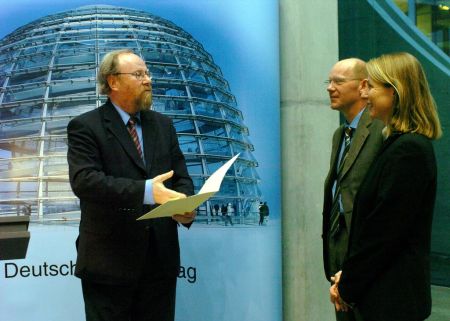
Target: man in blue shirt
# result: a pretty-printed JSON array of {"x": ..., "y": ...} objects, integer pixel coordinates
[{"x": 354, "y": 146}]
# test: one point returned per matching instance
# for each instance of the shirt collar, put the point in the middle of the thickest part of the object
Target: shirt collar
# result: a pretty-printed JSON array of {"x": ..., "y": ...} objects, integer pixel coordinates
[
  {"x": 355, "y": 120},
  {"x": 124, "y": 115}
]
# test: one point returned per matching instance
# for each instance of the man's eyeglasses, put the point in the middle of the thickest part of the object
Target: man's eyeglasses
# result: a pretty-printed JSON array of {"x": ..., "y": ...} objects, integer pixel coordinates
[
  {"x": 139, "y": 75},
  {"x": 339, "y": 81}
]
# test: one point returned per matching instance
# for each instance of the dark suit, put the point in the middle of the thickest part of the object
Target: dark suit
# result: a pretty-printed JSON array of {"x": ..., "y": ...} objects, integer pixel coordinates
[
  {"x": 108, "y": 175},
  {"x": 387, "y": 272},
  {"x": 365, "y": 144}
]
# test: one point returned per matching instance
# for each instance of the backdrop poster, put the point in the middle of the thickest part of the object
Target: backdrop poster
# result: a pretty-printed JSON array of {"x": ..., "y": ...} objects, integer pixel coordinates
[{"x": 229, "y": 272}]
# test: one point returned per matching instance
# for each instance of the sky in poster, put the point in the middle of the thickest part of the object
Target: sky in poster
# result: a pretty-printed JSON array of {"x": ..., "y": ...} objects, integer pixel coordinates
[{"x": 241, "y": 36}]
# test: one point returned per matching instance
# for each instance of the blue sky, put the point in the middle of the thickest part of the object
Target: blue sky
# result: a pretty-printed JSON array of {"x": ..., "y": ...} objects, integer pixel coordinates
[{"x": 241, "y": 36}]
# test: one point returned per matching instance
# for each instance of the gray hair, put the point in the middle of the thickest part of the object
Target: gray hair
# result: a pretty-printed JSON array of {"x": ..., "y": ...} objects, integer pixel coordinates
[{"x": 109, "y": 66}]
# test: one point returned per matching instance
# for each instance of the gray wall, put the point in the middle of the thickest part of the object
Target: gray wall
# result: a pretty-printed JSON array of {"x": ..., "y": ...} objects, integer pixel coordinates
[{"x": 308, "y": 49}]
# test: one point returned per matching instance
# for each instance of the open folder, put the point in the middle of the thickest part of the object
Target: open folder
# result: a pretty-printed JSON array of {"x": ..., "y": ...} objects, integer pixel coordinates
[{"x": 190, "y": 203}]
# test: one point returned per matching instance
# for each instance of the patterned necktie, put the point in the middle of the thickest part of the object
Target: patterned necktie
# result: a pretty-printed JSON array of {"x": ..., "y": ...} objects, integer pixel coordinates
[
  {"x": 335, "y": 207},
  {"x": 131, "y": 126}
]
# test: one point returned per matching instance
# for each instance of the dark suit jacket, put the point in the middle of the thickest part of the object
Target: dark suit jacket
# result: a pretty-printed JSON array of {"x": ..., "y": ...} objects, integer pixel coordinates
[
  {"x": 108, "y": 175},
  {"x": 366, "y": 142},
  {"x": 386, "y": 273}
]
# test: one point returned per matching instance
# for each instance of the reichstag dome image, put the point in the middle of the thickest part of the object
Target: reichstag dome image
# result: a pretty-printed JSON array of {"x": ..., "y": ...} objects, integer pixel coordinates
[{"x": 48, "y": 76}]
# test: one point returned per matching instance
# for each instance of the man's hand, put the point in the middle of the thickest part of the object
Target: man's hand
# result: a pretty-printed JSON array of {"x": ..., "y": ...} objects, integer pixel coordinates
[
  {"x": 185, "y": 218},
  {"x": 335, "y": 298},
  {"x": 336, "y": 278},
  {"x": 162, "y": 194}
]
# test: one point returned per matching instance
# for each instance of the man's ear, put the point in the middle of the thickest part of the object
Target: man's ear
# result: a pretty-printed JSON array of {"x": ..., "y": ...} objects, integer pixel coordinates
[
  {"x": 112, "y": 82},
  {"x": 364, "y": 88}
]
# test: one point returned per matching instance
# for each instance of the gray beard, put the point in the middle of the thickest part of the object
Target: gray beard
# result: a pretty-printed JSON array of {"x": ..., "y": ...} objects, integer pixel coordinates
[{"x": 144, "y": 101}]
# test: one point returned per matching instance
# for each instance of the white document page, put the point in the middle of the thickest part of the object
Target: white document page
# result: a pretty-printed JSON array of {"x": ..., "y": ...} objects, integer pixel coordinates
[{"x": 190, "y": 203}]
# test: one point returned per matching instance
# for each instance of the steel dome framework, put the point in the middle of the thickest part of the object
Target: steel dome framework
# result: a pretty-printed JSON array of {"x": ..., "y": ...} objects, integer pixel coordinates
[{"x": 47, "y": 76}]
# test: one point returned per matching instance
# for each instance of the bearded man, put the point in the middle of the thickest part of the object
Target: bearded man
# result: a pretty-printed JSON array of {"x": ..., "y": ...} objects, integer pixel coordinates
[{"x": 124, "y": 159}]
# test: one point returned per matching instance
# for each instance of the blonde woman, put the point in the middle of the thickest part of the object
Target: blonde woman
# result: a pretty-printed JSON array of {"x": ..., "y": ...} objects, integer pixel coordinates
[{"x": 386, "y": 275}]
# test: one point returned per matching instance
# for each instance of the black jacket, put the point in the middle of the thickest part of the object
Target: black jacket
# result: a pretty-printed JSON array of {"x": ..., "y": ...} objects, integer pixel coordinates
[
  {"x": 108, "y": 175},
  {"x": 387, "y": 273}
]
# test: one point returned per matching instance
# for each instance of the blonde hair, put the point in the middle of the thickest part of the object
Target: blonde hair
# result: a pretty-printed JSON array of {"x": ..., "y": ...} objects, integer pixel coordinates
[
  {"x": 109, "y": 66},
  {"x": 414, "y": 110}
]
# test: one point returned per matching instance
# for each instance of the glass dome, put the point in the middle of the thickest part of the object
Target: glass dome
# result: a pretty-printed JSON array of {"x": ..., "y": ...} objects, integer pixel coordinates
[{"x": 48, "y": 76}]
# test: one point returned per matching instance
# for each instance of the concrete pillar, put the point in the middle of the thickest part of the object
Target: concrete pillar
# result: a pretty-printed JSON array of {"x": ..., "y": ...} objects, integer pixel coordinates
[{"x": 308, "y": 49}]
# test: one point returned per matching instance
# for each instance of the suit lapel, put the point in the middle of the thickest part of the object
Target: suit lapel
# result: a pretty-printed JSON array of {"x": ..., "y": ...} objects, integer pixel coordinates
[
  {"x": 359, "y": 138},
  {"x": 335, "y": 147},
  {"x": 149, "y": 137},
  {"x": 115, "y": 125}
]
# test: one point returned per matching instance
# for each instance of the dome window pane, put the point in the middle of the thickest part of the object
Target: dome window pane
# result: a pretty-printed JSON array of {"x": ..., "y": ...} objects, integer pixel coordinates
[
  {"x": 202, "y": 92},
  {"x": 206, "y": 109},
  {"x": 194, "y": 166},
  {"x": 22, "y": 111},
  {"x": 184, "y": 126},
  {"x": 175, "y": 106},
  {"x": 188, "y": 144},
  {"x": 33, "y": 62},
  {"x": 227, "y": 188},
  {"x": 166, "y": 90},
  {"x": 29, "y": 77},
  {"x": 75, "y": 58},
  {"x": 165, "y": 72},
  {"x": 20, "y": 93},
  {"x": 71, "y": 107},
  {"x": 212, "y": 129},
  {"x": 219, "y": 147}
]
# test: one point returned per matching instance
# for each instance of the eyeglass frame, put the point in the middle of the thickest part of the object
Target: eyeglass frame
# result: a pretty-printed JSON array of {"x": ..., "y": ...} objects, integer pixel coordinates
[
  {"x": 339, "y": 82},
  {"x": 139, "y": 75}
]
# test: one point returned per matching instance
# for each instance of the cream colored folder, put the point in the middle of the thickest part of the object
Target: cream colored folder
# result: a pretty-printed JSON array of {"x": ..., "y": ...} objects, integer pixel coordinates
[{"x": 190, "y": 203}]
